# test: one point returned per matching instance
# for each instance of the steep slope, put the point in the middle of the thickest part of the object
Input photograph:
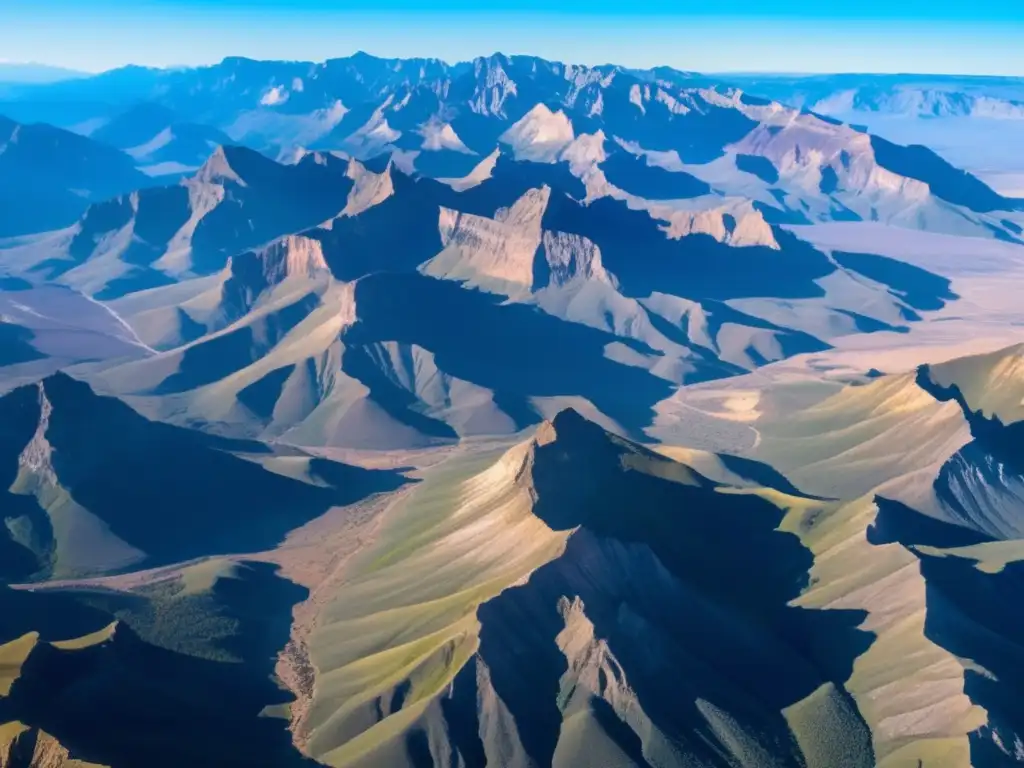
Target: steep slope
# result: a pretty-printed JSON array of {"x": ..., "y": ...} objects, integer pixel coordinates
[
  {"x": 49, "y": 176},
  {"x": 168, "y": 673},
  {"x": 333, "y": 337},
  {"x": 90, "y": 486},
  {"x": 972, "y": 122},
  {"x": 981, "y": 487},
  {"x": 579, "y": 599},
  {"x": 684, "y": 134},
  {"x": 237, "y": 200},
  {"x": 934, "y": 544}
]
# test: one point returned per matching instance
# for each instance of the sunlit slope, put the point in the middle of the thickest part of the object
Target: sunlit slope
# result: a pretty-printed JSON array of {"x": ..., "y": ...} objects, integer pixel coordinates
[
  {"x": 908, "y": 688},
  {"x": 861, "y": 437},
  {"x": 580, "y": 597},
  {"x": 407, "y": 622},
  {"x": 933, "y": 552},
  {"x": 990, "y": 385}
]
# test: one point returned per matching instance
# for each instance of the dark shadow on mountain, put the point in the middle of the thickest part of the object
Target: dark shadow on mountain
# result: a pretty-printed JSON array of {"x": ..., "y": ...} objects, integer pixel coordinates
[
  {"x": 898, "y": 523},
  {"x": 865, "y": 324},
  {"x": 921, "y": 289},
  {"x": 839, "y": 212},
  {"x": 220, "y": 356},
  {"x": 780, "y": 216},
  {"x": 970, "y": 615},
  {"x": 16, "y": 345},
  {"x": 759, "y": 474},
  {"x": 633, "y": 174},
  {"x": 100, "y": 220},
  {"x": 478, "y": 132},
  {"x": 162, "y": 211},
  {"x": 829, "y": 180},
  {"x": 49, "y": 175},
  {"x": 946, "y": 181},
  {"x": 174, "y": 493},
  {"x": 25, "y": 537},
  {"x": 1004, "y": 438},
  {"x": 823, "y": 118},
  {"x": 759, "y": 166},
  {"x": 462, "y": 717},
  {"x": 397, "y": 402},
  {"x": 496, "y": 345},
  {"x": 134, "y": 701},
  {"x": 637, "y": 251},
  {"x": 275, "y": 200},
  {"x": 664, "y": 557},
  {"x": 137, "y": 279},
  {"x": 446, "y": 163},
  {"x": 262, "y": 395},
  {"x": 509, "y": 181},
  {"x": 371, "y": 242},
  {"x": 11, "y": 284}
]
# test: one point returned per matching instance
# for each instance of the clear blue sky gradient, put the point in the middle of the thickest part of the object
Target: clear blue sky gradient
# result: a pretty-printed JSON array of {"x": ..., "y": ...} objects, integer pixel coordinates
[{"x": 936, "y": 36}]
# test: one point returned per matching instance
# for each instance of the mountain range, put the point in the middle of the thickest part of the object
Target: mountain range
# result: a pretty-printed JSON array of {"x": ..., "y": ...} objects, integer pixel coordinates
[{"x": 387, "y": 412}]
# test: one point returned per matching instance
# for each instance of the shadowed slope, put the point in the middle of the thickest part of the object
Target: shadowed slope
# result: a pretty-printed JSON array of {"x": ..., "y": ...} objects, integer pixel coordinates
[
  {"x": 581, "y": 598},
  {"x": 170, "y": 674},
  {"x": 118, "y": 489},
  {"x": 48, "y": 176}
]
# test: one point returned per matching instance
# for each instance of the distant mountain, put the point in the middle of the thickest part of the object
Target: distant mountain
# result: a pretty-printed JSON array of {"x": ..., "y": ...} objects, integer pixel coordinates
[
  {"x": 160, "y": 143},
  {"x": 972, "y": 122},
  {"x": 643, "y": 228},
  {"x": 907, "y": 95},
  {"x": 11, "y": 72},
  {"x": 656, "y": 135},
  {"x": 237, "y": 200},
  {"x": 49, "y": 176}
]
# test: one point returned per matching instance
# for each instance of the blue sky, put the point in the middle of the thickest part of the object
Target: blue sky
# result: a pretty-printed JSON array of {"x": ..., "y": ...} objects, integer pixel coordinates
[{"x": 785, "y": 35}]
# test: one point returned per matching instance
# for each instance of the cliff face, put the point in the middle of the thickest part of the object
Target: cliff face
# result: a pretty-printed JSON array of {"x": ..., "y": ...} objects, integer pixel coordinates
[{"x": 24, "y": 747}]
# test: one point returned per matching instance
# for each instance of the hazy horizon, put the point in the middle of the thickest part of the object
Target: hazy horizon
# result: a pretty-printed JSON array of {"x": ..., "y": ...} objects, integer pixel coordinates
[
  {"x": 780, "y": 73},
  {"x": 871, "y": 37}
]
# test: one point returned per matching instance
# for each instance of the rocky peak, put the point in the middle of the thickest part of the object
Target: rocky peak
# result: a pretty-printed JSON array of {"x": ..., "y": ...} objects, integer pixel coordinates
[
  {"x": 254, "y": 272},
  {"x": 218, "y": 170},
  {"x": 291, "y": 256},
  {"x": 494, "y": 86}
]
